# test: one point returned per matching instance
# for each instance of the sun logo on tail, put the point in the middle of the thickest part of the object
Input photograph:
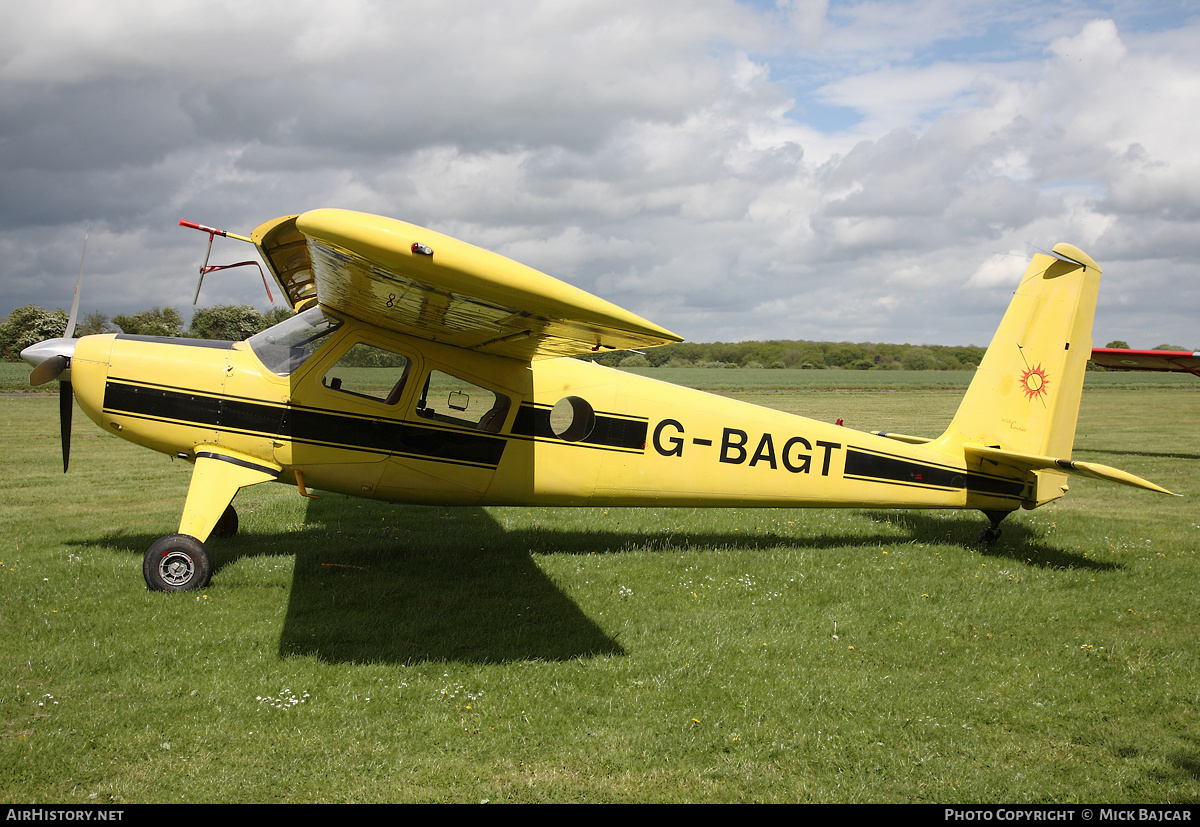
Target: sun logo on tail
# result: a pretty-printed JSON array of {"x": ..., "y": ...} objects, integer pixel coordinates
[{"x": 1035, "y": 382}]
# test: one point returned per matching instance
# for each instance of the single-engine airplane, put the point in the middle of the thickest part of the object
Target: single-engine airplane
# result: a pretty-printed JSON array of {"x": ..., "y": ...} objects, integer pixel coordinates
[{"x": 422, "y": 369}]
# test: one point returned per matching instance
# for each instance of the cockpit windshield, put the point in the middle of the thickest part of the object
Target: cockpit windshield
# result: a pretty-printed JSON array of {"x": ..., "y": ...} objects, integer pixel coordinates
[{"x": 287, "y": 345}]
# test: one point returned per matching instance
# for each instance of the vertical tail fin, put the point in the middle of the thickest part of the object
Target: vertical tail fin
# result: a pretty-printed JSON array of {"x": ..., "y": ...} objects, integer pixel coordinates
[
  {"x": 1025, "y": 394},
  {"x": 1019, "y": 414}
]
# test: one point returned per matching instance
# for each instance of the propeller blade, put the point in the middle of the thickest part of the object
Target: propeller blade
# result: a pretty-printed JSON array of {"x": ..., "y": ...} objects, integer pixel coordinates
[
  {"x": 74, "y": 317},
  {"x": 48, "y": 369},
  {"x": 66, "y": 403}
]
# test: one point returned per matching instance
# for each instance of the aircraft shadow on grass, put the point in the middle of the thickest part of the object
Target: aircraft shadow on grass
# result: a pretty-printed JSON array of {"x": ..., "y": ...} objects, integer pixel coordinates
[
  {"x": 1186, "y": 764},
  {"x": 1019, "y": 543},
  {"x": 1150, "y": 454},
  {"x": 379, "y": 583}
]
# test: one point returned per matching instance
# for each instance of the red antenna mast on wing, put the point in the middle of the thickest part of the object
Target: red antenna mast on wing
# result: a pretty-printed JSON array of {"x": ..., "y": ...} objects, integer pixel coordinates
[{"x": 205, "y": 268}]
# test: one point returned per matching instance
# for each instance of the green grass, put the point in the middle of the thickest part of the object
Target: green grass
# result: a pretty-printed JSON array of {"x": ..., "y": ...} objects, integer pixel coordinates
[{"x": 353, "y": 651}]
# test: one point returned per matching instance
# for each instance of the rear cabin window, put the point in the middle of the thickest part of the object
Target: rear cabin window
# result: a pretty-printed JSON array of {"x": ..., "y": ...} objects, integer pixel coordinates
[{"x": 455, "y": 401}]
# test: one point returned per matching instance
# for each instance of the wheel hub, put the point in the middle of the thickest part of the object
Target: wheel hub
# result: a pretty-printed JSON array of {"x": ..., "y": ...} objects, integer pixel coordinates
[{"x": 176, "y": 568}]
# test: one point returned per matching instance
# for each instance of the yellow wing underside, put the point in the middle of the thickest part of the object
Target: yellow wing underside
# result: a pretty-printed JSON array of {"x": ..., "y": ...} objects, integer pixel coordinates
[{"x": 405, "y": 278}]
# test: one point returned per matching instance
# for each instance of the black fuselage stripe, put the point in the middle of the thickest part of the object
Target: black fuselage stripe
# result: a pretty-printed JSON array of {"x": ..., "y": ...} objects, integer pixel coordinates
[
  {"x": 305, "y": 425},
  {"x": 608, "y": 432},
  {"x": 241, "y": 463},
  {"x": 883, "y": 468}
]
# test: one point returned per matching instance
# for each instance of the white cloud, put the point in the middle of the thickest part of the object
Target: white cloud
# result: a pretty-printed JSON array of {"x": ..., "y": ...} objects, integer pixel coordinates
[
  {"x": 1001, "y": 270},
  {"x": 652, "y": 153}
]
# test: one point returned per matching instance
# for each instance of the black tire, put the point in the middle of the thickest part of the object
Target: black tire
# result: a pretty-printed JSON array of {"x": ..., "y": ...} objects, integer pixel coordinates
[
  {"x": 177, "y": 563},
  {"x": 989, "y": 536},
  {"x": 227, "y": 526}
]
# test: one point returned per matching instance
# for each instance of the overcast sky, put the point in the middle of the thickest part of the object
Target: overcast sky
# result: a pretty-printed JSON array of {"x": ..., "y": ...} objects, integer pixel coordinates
[{"x": 862, "y": 171}]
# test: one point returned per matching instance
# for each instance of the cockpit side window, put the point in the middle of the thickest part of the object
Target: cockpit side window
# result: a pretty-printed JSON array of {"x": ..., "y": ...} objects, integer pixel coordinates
[
  {"x": 371, "y": 372},
  {"x": 286, "y": 346}
]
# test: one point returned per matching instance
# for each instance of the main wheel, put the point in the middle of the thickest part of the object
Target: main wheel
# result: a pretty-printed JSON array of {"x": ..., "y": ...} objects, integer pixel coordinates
[
  {"x": 227, "y": 526},
  {"x": 177, "y": 563}
]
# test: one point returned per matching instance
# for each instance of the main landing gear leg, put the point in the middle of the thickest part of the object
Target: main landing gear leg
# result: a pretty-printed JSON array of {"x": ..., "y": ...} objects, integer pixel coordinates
[
  {"x": 992, "y": 533},
  {"x": 179, "y": 562}
]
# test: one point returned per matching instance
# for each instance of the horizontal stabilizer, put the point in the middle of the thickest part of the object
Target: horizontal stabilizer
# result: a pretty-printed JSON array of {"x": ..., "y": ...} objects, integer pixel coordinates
[
  {"x": 911, "y": 440},
  {"x": 1034, "y": 462}
]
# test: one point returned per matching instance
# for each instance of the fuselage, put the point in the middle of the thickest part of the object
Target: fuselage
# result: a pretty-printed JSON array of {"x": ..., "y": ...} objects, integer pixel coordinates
[{"x": 346, "y": 407}]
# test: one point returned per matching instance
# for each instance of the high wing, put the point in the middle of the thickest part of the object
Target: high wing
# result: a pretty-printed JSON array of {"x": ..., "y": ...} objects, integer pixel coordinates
[
  {"x": 1181, "y": 361},
  {"x": 416, "y": 281}
]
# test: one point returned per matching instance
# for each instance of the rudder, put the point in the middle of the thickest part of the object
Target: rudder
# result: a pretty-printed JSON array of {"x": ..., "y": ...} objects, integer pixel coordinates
[{"x": 1026, "y": 391}]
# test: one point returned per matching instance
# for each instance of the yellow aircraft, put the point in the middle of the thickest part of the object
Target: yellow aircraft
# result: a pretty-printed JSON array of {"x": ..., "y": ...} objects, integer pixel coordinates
[{"x": 421, "y": 369}]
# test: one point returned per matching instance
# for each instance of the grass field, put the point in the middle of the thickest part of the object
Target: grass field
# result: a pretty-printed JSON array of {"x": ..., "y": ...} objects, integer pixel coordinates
[{"x": 350, "y": 651}]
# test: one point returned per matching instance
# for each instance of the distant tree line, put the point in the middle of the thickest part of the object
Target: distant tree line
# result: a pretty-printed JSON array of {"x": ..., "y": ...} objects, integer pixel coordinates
[
  {"x": 790, "y": 353},
  {"x": 31, "y": 324},
  {"x": 802, "y": 354},
  {"x": 1125, "y": 346}
]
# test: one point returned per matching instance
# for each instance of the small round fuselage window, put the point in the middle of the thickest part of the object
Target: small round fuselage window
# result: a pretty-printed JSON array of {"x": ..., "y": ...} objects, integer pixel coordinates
[{"x": 572, "y": 419}]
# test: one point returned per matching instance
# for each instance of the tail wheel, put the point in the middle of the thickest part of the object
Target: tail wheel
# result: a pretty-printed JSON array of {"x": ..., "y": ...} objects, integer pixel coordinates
[
  {"x": 991, "y": 534},
  {"x": 177, "y": 563}
]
